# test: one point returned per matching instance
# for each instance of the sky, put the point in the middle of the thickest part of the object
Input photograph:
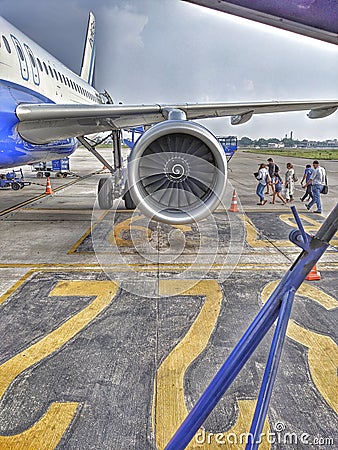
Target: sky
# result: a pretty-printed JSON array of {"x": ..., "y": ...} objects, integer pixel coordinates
[{"x": 170, "y": 51}]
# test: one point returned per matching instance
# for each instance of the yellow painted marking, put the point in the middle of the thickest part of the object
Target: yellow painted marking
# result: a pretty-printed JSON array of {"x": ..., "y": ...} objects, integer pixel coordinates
[
  {"x": 85, "y": 235},
  {"x": 252, "y": 235},
  {"x": 115, "y": 236},
  {"x": 31, "y": 200},
  {"x": 47, "y": 432},
  {"x": 253, "y": 240},
  {"x": 312, "y": 227},
  {"x": 15, "y": 286},
  {"x": 323, "y": 352},
  {"x": 169, "y": 408}
]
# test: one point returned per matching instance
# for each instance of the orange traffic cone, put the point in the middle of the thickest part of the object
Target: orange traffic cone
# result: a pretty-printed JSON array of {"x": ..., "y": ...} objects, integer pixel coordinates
[
  {"x": 48, "y": 187},
  {"x": 313, "y": 275},
  {"x": 234, "y": 206}
]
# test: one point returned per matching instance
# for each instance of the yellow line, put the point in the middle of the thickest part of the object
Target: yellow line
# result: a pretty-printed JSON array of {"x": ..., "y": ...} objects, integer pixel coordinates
[
  {"x": 169, "y": 408},
  {"x": 85, "y": 235},
  {"x": 325, "y": 266},
  {"x": 64, "y": 186},
  {"x": 322, "y": 350},
  {"x": 15, "y": 286},
  {"x": 47, "y": 432}
]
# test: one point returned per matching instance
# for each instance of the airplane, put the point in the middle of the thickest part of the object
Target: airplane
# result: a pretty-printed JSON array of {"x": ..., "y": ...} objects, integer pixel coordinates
[{"x": 176, "y": 171}]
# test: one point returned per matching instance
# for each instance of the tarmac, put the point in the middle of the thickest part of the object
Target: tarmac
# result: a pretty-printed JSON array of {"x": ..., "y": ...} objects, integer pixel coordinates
[{"x": 112, "y": 326}]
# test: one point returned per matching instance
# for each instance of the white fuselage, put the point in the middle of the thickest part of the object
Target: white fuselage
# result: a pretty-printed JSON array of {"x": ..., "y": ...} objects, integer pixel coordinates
[
  {"x": 29, "y": 74},
  {"x": 29, "y": 65}
]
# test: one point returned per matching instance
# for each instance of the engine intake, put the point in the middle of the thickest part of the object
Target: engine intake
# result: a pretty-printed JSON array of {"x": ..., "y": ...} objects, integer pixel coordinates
[{"x": 177, "y": 172}]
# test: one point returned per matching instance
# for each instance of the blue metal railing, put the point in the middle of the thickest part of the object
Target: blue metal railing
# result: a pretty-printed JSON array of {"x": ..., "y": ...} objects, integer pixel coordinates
[{"x": 279, "y": 306}]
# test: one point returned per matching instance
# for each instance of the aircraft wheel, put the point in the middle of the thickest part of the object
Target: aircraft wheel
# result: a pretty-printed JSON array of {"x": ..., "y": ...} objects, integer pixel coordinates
[
  {"x": 105, "y": 193},
  {"x": 128, "y": 201}
]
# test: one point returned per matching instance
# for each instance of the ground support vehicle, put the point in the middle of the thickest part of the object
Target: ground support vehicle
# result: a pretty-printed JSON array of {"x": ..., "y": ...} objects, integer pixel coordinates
[{"x": 14, "y": 180}]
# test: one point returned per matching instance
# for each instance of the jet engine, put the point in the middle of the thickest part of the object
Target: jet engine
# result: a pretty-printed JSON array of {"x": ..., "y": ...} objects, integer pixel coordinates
[{"x": 177, "y": 172}]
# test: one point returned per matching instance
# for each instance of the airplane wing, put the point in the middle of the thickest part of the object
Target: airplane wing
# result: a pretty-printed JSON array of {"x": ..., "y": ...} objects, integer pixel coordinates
[
  {"x": 313, "y": 18},
  {"x": 41, "y": 123}
]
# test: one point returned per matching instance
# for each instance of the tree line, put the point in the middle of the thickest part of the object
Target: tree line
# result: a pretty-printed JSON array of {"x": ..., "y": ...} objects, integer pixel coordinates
[{"x": 286, "y": 142}]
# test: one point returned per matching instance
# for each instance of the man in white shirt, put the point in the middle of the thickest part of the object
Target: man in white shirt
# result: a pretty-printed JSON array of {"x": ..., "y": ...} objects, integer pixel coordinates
[{"x": 318, "y": 181}]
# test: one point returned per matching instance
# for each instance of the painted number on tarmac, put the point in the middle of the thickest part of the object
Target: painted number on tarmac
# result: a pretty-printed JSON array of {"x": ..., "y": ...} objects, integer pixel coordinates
[
  {"x": 169, "y": 408},
  {"x": 46, "y": 433}
]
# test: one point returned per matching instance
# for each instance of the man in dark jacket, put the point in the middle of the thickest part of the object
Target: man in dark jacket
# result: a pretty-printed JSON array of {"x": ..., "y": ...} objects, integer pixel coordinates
[{"x": 272, "y": 168}]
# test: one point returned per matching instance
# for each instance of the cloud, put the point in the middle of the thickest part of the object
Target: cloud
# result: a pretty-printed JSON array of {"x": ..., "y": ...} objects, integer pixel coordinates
[{"x": 172, "y": 51}]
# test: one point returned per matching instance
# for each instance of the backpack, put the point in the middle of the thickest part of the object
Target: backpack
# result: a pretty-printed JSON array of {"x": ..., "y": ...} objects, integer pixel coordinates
[{"x": 294, "y": 176}]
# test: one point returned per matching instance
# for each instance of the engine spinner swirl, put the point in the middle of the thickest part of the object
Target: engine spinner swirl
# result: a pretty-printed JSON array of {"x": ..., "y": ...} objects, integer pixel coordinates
[{"x": 177, "y": 169}]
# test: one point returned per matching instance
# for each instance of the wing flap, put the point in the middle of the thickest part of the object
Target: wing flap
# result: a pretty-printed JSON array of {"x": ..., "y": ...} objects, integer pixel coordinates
[{"x": 42, "y": 123}]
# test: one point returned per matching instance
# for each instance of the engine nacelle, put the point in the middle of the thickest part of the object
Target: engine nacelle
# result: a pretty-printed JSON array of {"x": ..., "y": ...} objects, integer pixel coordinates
[{"x": 177, "y": 172}]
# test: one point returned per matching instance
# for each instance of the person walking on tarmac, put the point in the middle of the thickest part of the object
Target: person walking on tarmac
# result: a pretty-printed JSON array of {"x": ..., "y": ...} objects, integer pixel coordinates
[
  {"x": 277, "y": 183},
  {"x": 289, "y": 182},
  {"x": 264, "y": 179},
  {"x": 272, "y": 168},
  {"x": 318, "y": 181},
  {"x": 306, "y": 177}
]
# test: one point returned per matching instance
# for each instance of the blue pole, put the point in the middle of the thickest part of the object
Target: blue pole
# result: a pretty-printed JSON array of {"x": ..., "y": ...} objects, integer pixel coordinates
[
  {"x": 255, "y": 333},
  {"x": 224, "y": 377},
  {"x": 270, "y": 372}
]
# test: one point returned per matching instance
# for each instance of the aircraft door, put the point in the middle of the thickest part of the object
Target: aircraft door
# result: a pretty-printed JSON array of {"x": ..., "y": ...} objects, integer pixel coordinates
[
  {"x": 22, "y": 58},
  {"x": 34, "y": 66}
]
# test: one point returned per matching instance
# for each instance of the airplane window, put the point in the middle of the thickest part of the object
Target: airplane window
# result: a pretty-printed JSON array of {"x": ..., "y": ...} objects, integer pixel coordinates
[
  {"x": 32, "y": 59},
  {"x": 56, "y": 75},
  {"x": 39, "y": 64},
  {"x": 51, "y": 72},
  {"x": 44, "y": 65},
  {"x": 20, "y": 52},
  {"x": 67, "y": 80},
  {"x": 60, "y": 77},
  {"x": 8, "y": 48}
]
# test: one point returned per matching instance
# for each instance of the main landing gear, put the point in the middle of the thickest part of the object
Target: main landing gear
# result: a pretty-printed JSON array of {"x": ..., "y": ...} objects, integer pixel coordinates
[{"x": 114, "y": 186}]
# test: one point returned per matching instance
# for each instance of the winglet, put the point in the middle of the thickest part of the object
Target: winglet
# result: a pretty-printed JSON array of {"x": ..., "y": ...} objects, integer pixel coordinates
[{"x": 88, "y": 59}]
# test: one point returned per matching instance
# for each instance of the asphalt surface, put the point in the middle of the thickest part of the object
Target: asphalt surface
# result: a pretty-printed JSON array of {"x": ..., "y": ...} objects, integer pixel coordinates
[{"x": 112, "y": 327}]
